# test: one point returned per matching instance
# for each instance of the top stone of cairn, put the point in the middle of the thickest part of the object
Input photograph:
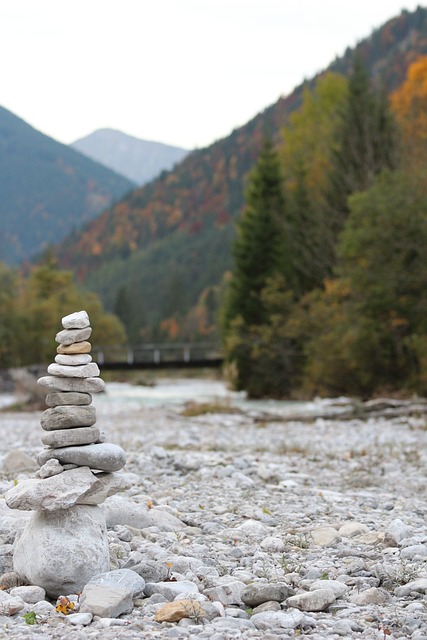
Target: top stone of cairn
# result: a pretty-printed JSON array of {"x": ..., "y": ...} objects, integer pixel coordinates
[{"x": 77, "y": 320}]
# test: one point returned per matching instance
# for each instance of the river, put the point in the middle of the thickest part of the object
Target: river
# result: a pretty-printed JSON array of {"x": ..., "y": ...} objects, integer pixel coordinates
[{"x": 175, "y": 392}]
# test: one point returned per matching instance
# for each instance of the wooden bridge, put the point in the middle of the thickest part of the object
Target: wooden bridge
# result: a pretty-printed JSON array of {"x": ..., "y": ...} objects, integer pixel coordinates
[{"x": 158, "y": 356}]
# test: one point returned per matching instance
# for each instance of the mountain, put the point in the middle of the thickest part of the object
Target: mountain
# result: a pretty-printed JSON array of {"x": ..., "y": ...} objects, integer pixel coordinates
[
  {"x": 46, "y": 189},
  {"x": 138, "y": 160},
  {"x": 166, "y": 246}
]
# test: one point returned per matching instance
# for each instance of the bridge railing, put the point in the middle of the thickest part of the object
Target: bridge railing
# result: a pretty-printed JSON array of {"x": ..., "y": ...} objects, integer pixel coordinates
[{"x": 156, "y": 354}]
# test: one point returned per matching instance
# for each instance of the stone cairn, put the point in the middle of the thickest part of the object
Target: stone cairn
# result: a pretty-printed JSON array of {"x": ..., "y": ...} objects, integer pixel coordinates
[{"x": 65, "y": 541}]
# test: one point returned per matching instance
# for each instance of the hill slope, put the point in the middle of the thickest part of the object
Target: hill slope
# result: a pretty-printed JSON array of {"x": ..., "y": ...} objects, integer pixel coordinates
[
  {"x": 155, "y": 252},
  {"x": 46, "y": 189},
  {"x": 138, "y": 160}
]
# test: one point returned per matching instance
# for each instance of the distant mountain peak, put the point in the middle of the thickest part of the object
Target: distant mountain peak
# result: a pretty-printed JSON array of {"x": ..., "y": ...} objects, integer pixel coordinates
[{"x": 139, "y": 160}]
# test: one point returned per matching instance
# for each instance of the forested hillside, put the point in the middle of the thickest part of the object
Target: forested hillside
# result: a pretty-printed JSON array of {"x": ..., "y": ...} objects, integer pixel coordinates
[
  {"x": 159, "y": 256},
  {"x": 47, "y": 189}
]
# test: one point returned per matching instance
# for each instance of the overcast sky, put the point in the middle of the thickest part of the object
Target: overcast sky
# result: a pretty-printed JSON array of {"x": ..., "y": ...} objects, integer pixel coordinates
[{"x": 183, "y": 72}]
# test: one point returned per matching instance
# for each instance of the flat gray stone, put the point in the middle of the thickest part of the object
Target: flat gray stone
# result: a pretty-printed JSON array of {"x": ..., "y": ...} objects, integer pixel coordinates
[
  {"x": 339, "y": 588},
  {"x": 351, "y": 529},
  {"x": 71, "y": 437},
  {"x": 123, "y": 578},
  {"x": 397, "y": 531},
  {"x": 104, "y": 456},
  {"x": 72, "y": 546},
  {"x": 229, "y": 592},
  {"x": 77, "y": 371},
  {"x": 69, "y": 336},
  {"x": 63, "y": 398},
  {"x": 68, "y": 417},
  {"x": 286, "y": 620},
  {"x": 325, "y": 536},
  {"x": 370, "y": 596},
  {"x": 60, "y": 491},
  {"x": 86, "y": 385},
  {"x": 73, "y": 360},
  {"x": 29, "y": 594},
  {"x": 107, "y": 484},
  {"x": 76, "y": 320},
  {"x": 317, "y": 600},
  {"x": 270, "y": 605},
  {"x": 106, "y": 601},
  {"x": 259, "y": 592},
  {"x": 416, "y": 586}
]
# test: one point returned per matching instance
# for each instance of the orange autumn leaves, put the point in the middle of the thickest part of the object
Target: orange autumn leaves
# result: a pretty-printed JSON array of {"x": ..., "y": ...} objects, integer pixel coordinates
[{"x": 409, "y": 103}]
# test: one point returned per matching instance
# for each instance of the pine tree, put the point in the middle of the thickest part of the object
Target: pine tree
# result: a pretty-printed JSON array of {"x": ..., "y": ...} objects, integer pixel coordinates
[
  {"x": 309, "y": 141},
  {"x": 260, "y": 244},
  {"x": 261, "y": 254},
  {"x": 366, "y": 145}
]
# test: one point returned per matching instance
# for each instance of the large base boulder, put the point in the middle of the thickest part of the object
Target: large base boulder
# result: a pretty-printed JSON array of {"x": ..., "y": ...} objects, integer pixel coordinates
[{"x": 61, "y": 550}]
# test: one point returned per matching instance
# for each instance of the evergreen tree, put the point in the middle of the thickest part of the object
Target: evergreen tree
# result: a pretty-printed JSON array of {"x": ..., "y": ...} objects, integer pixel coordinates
[
  {"x": 309, "y": 140},
  {"x": 260, "y": 245},
  {"x": 261, "y": 253},
  {"x": 366, "y": 145}
]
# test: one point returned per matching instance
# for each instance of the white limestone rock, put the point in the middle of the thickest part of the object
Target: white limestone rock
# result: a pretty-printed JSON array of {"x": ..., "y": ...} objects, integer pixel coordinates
[
  {"x": 286, "y": 620},
  {"x": 230, "y": 592},
  {"x": 370, "y": 596},
  {"x": 170, "y": 590},
  {"x": 51, "y": 468},
  {"x": 76, "y": 320},
  {"x": 29, "y": 594},
  {"x": 10, "y": 605},
  {"x": 68, "y": 417},
  {"x": 80, "y": 618},
  {"x": 258, "y": 593},
  {"x": 397, "y": 531},
  {"x": 85, "y": 385},
  {"x": 351, "y": 529},
  {"x": 325, "y": 536},
  {"x": 72, "y": 546},
  {"x": 339, "y": 588},
  {"x": 416, "y": 586},
  {"x": 71, "y": 437},
  {"x": 56, "y": 492},
  {"x": 317, "y": 600},
  {"x": 107, "y": 484},
  {"x": 69, "y": 336},
  {"x": 106, "y": 601},
  {"x": 123, "y": 578},
  {"x": 78, "y": 371},
  {"x": 104, "y": 456},
  {"x": 73, "y": 360}
]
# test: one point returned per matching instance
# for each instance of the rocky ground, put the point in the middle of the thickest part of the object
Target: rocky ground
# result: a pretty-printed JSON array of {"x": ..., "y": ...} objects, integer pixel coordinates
[{"x": 251, "y": 525}]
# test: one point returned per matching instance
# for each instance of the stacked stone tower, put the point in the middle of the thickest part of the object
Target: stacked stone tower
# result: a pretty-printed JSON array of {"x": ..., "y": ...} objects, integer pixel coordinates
[{"x": 65, "y": 542}]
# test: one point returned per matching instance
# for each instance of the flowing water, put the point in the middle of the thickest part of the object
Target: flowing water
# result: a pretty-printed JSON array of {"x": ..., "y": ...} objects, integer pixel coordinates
[{"x": 177, "y": 392}]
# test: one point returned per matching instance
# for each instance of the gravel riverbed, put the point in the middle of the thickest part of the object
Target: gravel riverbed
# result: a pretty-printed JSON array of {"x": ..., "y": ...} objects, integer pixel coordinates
[{"x": 264, "y": 527}]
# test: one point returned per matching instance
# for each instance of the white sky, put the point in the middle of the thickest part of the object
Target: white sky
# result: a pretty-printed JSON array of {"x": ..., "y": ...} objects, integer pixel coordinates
[{"x": 183, "y": 72}]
